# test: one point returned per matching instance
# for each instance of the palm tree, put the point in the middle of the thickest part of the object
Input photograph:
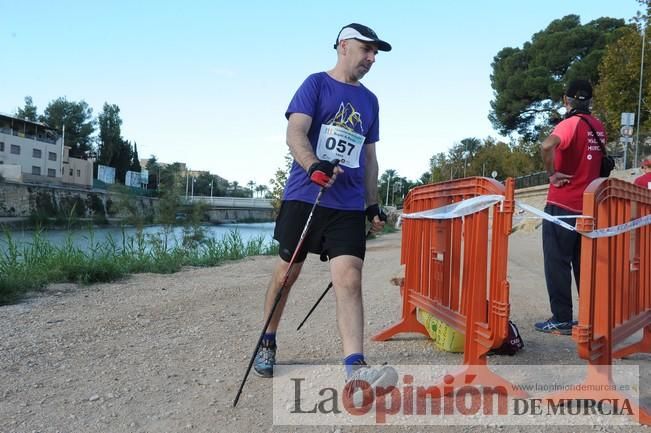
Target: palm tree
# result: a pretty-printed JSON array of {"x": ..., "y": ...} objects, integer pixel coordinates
[
  {"x": 471, "y": 145},
  {"x": 385, "y": 184},
  {"x": 251, "y": 185},
  {"x": 235, "y": 186}
]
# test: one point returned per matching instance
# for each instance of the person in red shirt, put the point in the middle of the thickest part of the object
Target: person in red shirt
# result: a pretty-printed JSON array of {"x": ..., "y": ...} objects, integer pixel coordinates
[
  {"x": 572, "y": 157},
  {"x": 645, "y": 180}
]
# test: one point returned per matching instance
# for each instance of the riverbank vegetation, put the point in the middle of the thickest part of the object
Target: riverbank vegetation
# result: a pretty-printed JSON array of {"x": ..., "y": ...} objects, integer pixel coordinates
[{"x": 32, "y": 265}]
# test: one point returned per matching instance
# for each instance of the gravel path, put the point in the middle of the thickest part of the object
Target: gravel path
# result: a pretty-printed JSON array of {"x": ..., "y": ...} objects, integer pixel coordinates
[{"x": 166, "y": 353}]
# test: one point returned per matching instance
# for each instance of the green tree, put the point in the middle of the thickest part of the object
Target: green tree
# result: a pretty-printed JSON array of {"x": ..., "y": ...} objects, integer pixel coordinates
[
  {"x": 122, "y": 160},
  {"x": 135, "y": 159},
  {"x": 489, "y": 156},
  {"x": 440, "y": 168},
  {"x": 172, "y": 184},
  {"x": 278, "y": 182},
  {"x": 471, "y": 146},
  {"x": 618, "y": 91},
  {"x": 202, "y": 184},
  {"x": 28, "y": 112},
  {"x": 154, "y": 172},
  {"x": 425, "y": 178},
  {"x": 251, "y": 185},
  {"x": 78, "y": 120},
  {"x": 389, "y": 176},
  {"x": 110, "y": 135},
  {"x": 220, "y": 186},
  {"x": 528, "y": 82}
]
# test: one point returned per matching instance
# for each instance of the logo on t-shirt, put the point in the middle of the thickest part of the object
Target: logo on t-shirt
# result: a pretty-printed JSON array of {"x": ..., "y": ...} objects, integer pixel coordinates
[
  {"x": 347, "y": 117},
  {"x": 339, "y": 137}
]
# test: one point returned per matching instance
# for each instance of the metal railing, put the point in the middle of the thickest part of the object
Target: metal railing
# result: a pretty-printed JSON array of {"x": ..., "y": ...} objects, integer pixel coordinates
[
  {"x": 231, "y": 202},
  {"x": 534, "y": 179}
]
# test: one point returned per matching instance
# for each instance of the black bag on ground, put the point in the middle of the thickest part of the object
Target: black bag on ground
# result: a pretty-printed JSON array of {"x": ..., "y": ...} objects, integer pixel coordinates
[{"x": 512, "y": 344}]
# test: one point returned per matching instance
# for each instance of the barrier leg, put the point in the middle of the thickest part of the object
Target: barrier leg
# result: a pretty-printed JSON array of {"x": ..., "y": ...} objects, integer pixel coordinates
[
  {"x": 642, "y": 346},
  {"x": 408, "y": 323},
  {"x": 599, "y": 385},
  {"x": 476, "y": 376}
]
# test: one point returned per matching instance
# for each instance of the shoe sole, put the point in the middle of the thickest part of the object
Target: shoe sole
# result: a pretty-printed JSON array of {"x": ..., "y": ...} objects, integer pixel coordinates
[
  {"x": 263, "y": 374},
  {"x": 555, "y": 331}
]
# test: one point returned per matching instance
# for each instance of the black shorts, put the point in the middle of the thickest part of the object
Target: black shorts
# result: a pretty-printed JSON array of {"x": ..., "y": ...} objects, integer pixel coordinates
[{"x": 331, "y": 233}]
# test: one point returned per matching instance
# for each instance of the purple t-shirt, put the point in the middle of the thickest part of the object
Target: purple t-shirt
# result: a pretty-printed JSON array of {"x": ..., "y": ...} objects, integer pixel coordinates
[{"x": 344, "y": 119}]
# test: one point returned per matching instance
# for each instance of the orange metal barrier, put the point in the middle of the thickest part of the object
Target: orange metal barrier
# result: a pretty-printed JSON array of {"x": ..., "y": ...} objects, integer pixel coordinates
[
  {"x": 455, "y": 269},
  {"x": 615, "y": 287}
]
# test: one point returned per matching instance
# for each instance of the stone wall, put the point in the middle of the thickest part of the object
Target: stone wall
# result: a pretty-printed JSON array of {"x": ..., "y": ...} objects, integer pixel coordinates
[
  {"x": 28, "y": 200},
  {"x": 222, "y": 216}
]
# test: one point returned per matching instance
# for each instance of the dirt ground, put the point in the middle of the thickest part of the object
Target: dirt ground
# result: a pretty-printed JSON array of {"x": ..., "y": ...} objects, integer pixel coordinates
[{"x": 166, "y": 353}]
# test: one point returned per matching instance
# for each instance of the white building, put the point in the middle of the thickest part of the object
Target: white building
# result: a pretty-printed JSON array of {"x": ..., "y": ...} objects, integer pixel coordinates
[{"x": 35, "y": 147}]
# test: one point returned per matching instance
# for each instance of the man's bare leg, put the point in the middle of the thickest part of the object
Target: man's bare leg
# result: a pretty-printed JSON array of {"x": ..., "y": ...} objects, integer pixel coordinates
[
  {"x": 273, "y": 289},
  {"x": 346, "y": 272}
]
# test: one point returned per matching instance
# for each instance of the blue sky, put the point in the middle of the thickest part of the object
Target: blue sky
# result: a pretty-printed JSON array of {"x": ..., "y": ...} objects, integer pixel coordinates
[{"x": 208, "y": 82}]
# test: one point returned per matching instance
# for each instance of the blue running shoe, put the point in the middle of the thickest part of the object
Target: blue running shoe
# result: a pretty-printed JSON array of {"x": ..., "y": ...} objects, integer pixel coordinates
[
  {"x": 552, "y": 326},
  {"x": 265, "y": 360}
]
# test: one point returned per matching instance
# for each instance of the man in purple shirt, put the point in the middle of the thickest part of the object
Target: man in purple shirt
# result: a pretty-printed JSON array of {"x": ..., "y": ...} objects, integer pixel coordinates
[{"x": 332, "y": 116}]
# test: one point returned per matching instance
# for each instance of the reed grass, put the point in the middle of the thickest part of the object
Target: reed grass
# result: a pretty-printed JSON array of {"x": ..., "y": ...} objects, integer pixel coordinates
[{"x": 35, "y": 264}]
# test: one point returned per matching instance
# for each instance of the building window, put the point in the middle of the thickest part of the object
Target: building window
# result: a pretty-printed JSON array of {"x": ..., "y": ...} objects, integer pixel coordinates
[
  {"x": 36, "y": 153},
  {"x": 70, "y": 172},
  {"x": 15, "y": 149},
  {"x": 78, "y": 173},
  {"x": 36, "y": 170},
  {"x": 51, "y": 172},
  {"x": 2, "y": 146},
  {"x": 52, "y": 156}
]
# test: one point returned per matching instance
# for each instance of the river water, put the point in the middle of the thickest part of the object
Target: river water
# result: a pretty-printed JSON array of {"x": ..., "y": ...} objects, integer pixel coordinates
[{"x": 81, "y": 237}]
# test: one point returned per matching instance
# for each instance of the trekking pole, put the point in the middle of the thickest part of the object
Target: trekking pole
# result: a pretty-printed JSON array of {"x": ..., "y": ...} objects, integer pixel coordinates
[
  {"x": 281, "y": 290},
  {"x": 383, "y": 217}
]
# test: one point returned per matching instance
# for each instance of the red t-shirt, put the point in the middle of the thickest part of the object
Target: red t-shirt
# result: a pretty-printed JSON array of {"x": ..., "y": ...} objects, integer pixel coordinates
[
  {"x": 578, "y": 154},
  {"x": 644, "y": 181}
]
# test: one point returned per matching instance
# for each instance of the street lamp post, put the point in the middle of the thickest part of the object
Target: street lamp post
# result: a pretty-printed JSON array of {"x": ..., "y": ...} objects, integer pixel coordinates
[
  {"x": 386, "y": 202},
  {"x": 639, "y": 97},
  {"x": 396, "y": 186}
]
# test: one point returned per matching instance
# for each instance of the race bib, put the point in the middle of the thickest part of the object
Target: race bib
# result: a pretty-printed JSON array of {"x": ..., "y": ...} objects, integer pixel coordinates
[{"x": 339, "y": 143}]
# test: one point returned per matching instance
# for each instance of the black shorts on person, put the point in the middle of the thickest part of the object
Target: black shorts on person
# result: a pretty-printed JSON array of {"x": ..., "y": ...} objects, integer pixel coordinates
[{"x": 332, "y": 232}]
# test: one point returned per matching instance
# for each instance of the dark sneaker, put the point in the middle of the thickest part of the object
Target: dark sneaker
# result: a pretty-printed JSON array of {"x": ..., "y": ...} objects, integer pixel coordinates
[
  {"x": 265, "y": 360},
  {"x": 364, "y": 378},
  {"x": 552, "y": 326}
]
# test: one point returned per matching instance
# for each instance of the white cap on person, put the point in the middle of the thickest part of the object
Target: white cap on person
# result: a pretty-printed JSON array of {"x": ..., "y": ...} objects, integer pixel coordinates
[{"x": 361, "y": 33}]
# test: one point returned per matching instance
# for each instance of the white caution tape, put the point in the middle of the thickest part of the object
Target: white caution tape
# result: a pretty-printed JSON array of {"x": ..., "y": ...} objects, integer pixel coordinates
[
  {"x": 479, "y": 203},
  {"x": 619, "y": 229},
  {"x": 546, "y": 216},
  {"x": 456, "y": 210},
  {"x": 594, "y": 234}
]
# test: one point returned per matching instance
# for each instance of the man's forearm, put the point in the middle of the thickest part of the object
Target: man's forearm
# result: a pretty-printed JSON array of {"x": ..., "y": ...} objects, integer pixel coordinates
[
  {"x": 371, "y": 182},
  {"x": 547, "y": 150},
  {"x": 301, "y": 149}
]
